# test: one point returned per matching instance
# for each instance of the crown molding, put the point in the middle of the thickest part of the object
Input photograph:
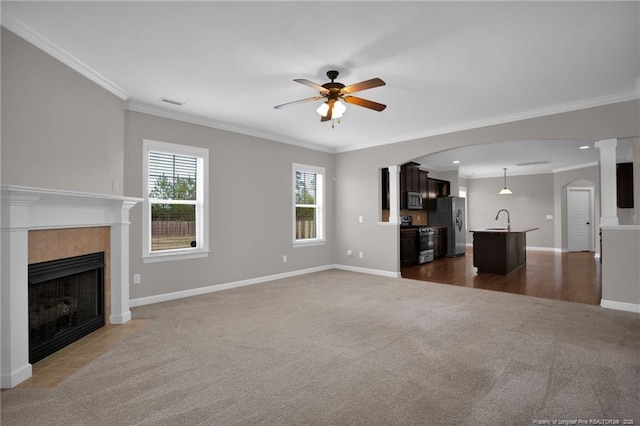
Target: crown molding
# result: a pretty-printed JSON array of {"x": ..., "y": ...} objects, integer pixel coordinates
[
  {"x": 145, "y": 108},
  {"x": 41, "y": 42},
  {"x": 631, "y": 95},
  {"x": 576, "y": 167}
]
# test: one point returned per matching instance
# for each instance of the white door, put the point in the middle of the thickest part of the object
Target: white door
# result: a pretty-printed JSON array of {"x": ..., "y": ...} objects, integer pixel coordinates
[{"x": 579, "y": 219}]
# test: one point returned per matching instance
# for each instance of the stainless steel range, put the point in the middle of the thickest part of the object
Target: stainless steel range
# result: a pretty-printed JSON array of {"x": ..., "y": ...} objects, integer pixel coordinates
[{"x": 425, "y": 238}]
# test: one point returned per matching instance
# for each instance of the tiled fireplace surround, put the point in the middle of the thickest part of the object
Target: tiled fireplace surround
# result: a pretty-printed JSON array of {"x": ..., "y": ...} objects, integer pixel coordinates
[{"x": 42, "y": 224}]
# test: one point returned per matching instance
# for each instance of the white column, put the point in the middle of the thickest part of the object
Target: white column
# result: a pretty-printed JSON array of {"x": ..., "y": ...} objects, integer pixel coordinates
[
  {"x": 14, "y": 291},
  {"x": 120, "y": 312},
  {"x": 608, "y": 205},
  {"x": 394, "y": 199}
]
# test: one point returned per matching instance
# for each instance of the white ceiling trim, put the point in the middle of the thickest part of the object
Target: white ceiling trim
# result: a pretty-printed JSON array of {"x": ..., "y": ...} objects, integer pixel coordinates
[
  {"x": 511, "y": 173},
  {"x": 510, "y": 118},
  {"x": 202, "y": 121},
  {"x": 41, "y": 42},
  {"x": 579, "y": 166}
]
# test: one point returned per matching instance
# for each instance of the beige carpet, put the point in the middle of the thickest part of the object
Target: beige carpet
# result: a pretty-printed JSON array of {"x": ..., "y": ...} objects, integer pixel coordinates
[{"x": 343, "y": 348}]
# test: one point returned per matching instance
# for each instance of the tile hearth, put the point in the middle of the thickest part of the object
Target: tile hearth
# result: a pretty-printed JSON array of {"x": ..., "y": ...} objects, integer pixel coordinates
[{"x": 57, "y": 367}]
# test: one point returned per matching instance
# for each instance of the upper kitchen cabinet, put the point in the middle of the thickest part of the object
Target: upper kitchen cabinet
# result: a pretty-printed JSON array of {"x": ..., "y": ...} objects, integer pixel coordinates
[
  {"x": 424, "y": 188},
  {"x": 410, "y": 177},
  {"x": 624, "y": 185},
  {"x": 384, "y": 190},
  {"x": 409, "y": 182},
  {"x": 436, "y": 188}
]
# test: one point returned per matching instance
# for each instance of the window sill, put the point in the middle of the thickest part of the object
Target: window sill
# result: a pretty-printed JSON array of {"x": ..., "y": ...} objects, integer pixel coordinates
[
  {"x": 167, "y": 257},
  {"x": 309, "y": 243}
]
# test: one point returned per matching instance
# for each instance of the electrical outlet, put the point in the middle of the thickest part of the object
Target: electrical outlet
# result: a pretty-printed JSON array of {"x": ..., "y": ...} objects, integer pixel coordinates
[
  {"x": 136, "y": 278},
  {"x": 361, "y": 255},
  {"x": 284, "y": 258},
  {"x": 549, "y": 217},
  {"x": 360, "y": 219}
]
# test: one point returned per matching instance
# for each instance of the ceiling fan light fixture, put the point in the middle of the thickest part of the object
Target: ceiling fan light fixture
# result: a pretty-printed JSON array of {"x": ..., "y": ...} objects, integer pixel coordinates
[
  {"x": 323, "y": 109},
  {"x": 338, "y": 109},
  {"x": 505, "y": 190}
]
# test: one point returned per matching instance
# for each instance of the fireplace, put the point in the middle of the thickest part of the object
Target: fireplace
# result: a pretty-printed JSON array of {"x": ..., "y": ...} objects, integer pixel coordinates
[
  {"x": 52, "y": 213},
  {"x": 66, "y": 302}
]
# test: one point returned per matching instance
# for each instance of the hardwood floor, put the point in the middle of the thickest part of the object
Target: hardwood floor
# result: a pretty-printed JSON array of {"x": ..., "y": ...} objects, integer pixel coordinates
[{"x": 573, "y": 277}]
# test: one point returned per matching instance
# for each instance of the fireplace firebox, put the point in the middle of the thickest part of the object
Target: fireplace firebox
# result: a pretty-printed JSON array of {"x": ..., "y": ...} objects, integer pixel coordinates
[{"x": 66, "y": 302}]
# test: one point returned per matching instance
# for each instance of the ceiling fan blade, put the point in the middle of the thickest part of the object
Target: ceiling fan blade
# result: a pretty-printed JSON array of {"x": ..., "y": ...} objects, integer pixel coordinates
[
  {"x": 364, "y": 103},
  {"x": 311, "y": 84},
  {"x": 329, "y": 113},
  {"x": 364, "y": 85},
  {"x": 301, "y": 101}
]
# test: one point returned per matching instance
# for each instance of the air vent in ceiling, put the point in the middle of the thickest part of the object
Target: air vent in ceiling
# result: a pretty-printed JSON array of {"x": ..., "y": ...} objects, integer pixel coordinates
[
  {"x": 171, "y": 101},
  {"x": 533, "y": 163}
]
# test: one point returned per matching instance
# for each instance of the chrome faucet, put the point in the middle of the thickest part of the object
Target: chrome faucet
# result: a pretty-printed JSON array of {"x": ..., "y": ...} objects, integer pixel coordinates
[{"x": 508, "y": 218}]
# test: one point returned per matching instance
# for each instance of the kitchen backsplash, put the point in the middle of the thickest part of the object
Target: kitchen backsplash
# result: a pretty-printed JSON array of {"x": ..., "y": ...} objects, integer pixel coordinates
[{"x": 419, "y": 216}]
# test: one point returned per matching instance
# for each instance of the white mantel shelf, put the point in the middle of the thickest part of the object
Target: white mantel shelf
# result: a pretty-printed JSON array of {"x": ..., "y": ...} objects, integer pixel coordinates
[{"x": 25, "y": 209}]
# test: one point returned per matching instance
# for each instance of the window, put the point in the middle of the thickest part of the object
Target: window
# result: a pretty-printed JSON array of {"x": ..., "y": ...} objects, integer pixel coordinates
[
  {"x": 308, "y": 201},
  {"x": 175, "y": 214}
]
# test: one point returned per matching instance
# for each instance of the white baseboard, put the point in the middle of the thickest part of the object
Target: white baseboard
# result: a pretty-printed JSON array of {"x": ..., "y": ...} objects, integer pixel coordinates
[
  {"x": 218, "y": 287},
  {"x": 16, "y": 377},
  {"x": 120, "y": 319},
  {"x": 380, "y": 272},
  {"x": 620, "y": 306},
  {"x": 551, "y": 249},
  {"x": 141, "y": 301}
]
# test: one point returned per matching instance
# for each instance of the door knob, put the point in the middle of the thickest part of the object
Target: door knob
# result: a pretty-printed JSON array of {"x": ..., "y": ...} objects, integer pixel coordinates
[{"x": 588, "y": 223}]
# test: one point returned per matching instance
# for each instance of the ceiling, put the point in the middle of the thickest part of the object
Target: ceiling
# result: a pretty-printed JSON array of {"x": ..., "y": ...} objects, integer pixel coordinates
[{"x": 447, "y": 65}]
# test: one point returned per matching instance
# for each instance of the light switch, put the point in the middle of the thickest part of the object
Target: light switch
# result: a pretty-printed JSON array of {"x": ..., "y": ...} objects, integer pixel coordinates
[{"x": 549, "y": 217}]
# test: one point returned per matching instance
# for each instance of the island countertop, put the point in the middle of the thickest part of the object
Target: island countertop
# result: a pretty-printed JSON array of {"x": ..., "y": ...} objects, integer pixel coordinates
[{"x": 504, "y": 230}]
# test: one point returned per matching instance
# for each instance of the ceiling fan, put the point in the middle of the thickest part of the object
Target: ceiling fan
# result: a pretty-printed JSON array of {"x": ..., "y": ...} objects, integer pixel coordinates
[{"x": 335, "y": 92}]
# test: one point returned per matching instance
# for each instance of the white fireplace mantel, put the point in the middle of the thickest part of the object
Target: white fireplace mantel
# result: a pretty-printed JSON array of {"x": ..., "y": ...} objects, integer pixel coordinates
[{"x": 25, "y": 209}]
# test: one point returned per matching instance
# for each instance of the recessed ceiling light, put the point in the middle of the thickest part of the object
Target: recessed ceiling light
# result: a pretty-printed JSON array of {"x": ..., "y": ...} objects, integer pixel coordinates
[
  {"x": 585, "y": 147},
  {"x": 456, "y": 161}
]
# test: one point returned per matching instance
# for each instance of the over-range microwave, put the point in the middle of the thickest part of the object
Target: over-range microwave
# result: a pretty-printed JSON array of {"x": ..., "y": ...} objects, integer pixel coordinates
[{"x": 414, "y": 201}]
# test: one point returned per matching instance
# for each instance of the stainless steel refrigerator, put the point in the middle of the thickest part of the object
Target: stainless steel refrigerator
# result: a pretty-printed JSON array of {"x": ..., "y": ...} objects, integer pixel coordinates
[{"x": 451, "y": 213}]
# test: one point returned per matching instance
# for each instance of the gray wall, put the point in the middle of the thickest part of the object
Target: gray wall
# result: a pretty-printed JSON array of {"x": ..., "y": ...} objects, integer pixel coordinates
[
  {"x": 620, "y": 266},
  {"x": 59, "y": 130},
  {"x": 250, "y": 207},
  {"x": 358, "y": 178},
  {"x": 530, "y": 203}
]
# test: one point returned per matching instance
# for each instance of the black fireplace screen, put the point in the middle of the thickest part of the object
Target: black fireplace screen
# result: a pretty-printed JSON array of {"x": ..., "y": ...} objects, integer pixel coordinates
[{"x": 66, "y": 302}]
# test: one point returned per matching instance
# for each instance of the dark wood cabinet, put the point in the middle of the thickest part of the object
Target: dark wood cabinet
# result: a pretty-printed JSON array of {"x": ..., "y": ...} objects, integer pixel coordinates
[
  {"x": 624, "y": 185},
  {"x": 430, "y": 202},
  {"x": 424, "y": 187},
  {"x": 439, "y": 241},
  {"x": 412, "y": 177},
  {"x": 384, "y": 190},
  {"x": 409, "y": 182},
  {"x": 499, "y": 252},
  {"x": 436, "y": 188},
  {"x": 408, "y": 247}
]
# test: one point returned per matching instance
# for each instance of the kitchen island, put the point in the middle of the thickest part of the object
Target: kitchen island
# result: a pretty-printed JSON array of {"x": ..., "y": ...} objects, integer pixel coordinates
[{"x": 500, "y": 250}]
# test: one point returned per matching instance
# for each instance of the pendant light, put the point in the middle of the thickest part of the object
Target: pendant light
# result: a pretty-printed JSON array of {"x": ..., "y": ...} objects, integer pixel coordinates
[{"x": 505, "y": 190}]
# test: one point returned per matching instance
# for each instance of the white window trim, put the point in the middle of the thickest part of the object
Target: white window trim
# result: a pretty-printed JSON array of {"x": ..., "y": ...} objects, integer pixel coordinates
[
  {"x": 203, "y": 193},
  {"x": 320, "y": 205}
]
